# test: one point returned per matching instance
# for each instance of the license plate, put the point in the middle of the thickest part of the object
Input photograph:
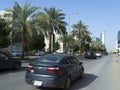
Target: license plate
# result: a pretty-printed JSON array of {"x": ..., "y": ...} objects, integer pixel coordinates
[{"x": 37, "y": 83}]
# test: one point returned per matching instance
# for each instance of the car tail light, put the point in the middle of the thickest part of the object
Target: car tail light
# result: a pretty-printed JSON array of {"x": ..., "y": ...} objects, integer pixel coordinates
[
  {"x": 54, "y": 69},
  {"x": 29, "y": 67}
]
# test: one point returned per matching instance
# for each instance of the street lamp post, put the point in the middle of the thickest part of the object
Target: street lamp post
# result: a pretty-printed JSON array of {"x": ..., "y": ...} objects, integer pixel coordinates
[
  {"x": 69, "y": 20},
  {"x": 69, "y": 47}
]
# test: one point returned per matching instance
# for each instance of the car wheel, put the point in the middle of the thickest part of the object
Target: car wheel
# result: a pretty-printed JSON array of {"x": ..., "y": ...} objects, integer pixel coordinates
[
  {"x": 67, "y": 85},
  {"x": 17, "y": 66}
]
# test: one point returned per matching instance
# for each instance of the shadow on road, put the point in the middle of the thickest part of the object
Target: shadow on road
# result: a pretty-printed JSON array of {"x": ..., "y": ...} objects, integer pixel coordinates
[
  {"x": 85, "y": 81},
  {"x": 78, "y": 84}
]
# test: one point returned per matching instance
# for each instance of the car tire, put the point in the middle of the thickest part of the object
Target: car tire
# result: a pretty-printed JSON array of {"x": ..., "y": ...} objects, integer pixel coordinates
[
  {"x": 67, "y": 84},
  {"x": 94, "y": 57}
]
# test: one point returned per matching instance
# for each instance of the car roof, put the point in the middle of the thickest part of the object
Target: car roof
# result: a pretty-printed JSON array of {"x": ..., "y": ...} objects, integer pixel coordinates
[
  {"x": 52, "y": 58},
  {"x": 57, "y": 55}
]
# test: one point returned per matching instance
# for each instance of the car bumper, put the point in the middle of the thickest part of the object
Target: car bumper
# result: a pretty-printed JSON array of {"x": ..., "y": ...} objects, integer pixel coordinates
[{"x": 47, "y": 81}]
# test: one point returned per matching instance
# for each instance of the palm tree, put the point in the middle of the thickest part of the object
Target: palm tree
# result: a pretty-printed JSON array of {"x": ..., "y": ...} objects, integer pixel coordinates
[
  {"x": 4, "y": 33},
  {"x": 97, "y": 45},
  {"x": 80, "y": 31},
  {"x": 40, "y": 21},
  {"x": 86, "y": 35},
  {"x": 55, "y": 24},
  {"x": 21, "y": 20}
]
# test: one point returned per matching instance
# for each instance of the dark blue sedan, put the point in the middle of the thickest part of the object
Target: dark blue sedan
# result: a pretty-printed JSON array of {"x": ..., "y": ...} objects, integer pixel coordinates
[{"x": 54, "y": 71}]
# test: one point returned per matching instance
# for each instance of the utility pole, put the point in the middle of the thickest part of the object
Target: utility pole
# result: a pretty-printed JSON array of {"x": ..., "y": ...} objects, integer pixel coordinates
[{"x": 69, "y": 30}]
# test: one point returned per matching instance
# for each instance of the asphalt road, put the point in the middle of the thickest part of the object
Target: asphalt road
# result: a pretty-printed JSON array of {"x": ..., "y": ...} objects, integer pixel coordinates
[{"x": 100, "y": 74}]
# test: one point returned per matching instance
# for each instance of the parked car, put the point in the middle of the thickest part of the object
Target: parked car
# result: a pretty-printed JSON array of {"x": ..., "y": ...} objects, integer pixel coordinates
[
  {"x": 8, "y": 62},
  {"x": 39, "y": 53},
  {"x": 90, "y": 54},
  {"x": 105, "y": 53},
  {"x": 54, "y": 70},
  {"x": 98, "y": 54},
  {"x": 17, "y": 53}
]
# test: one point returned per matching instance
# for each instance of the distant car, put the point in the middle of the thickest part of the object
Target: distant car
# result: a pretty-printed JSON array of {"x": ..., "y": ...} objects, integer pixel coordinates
[
  {"x": 16, "y": 53},
  {"x": 54, "y": 71},
  {"x": 98, "y": 54},
  {"x": 105, "y": 53},
  {"x": 90, "y": 54},
  {"x": 39, "y": 53},
  {"x": 8, "y": 62},
  {"x": 118, "y": 53}
]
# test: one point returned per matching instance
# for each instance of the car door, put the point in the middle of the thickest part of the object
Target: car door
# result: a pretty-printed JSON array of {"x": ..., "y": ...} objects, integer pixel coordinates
[
  {"x": 1, "y": 62},
  {"x": 73, "y": 67},
  {"x": 78, "y": 66},
  {"x": 5, "y": 63},
  {"x": 68, "y": 66}
]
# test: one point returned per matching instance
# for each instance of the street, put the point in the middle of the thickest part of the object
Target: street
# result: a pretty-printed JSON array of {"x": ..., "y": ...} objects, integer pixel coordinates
[{"x": 100, "y": 74}]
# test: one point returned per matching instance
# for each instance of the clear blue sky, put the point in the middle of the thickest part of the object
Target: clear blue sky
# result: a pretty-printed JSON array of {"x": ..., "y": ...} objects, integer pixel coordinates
[{"x": 99, "y": 15}]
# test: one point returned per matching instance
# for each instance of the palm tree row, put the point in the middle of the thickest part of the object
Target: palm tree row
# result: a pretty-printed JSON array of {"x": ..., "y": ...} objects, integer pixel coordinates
[
  {"x": 28, "y": 20},
  {"x": 25, "y": 19}
]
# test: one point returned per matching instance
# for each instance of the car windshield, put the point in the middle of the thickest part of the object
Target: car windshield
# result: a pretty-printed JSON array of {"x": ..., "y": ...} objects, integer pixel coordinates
[{"x": 49, "y": 59}]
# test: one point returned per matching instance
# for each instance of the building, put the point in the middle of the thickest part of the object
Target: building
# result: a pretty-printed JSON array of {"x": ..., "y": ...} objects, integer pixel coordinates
[
  {"x": 56, "y": 37},
  {"x": 118, "y": 41},
  {"x": 4, "y": 13},
  {"x": 102, "y": 37}
]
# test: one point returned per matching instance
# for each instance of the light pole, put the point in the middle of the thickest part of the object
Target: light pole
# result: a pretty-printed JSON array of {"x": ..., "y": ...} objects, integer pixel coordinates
[
  {"x": 70, "y": 44},
  {"x": 69, "y": 20}
]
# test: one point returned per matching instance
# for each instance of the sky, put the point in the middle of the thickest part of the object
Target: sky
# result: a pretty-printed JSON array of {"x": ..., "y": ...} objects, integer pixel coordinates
[{"x": 99, "y": 15}]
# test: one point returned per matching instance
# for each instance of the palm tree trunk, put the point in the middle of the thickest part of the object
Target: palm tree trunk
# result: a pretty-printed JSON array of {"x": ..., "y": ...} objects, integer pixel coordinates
[
  {"x": 64, "y": 47},
  {"x": 79, "y": 46},
  {"x": 52, "y": 42},
  {"x": 49, "y": 42},
  {"x": 23, "y": 42}
]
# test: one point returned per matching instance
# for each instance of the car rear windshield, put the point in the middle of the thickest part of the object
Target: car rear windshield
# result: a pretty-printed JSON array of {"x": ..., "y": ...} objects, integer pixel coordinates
[{"x": 49, "y": 59}]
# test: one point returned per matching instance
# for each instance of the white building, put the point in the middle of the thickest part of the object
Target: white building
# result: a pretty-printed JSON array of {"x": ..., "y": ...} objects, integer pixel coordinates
[
  {"x": 3, "y": 13},
  {"x": 118, "y": 41},
  {"x": 102, "y": 37},
  {"x": 56, "y": 37}
]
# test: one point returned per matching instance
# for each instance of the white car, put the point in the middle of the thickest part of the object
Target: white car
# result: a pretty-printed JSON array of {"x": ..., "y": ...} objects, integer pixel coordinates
[
  {"x": 98, "y": 54},
  {"x": 39, "y": 53},
  {"x": 118, "y": 53},
  {"x": 14, "y": 54}
]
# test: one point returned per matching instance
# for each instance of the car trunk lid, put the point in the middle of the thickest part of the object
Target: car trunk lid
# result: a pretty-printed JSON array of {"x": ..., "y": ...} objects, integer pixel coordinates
[{"x": 44, "y": 69}]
